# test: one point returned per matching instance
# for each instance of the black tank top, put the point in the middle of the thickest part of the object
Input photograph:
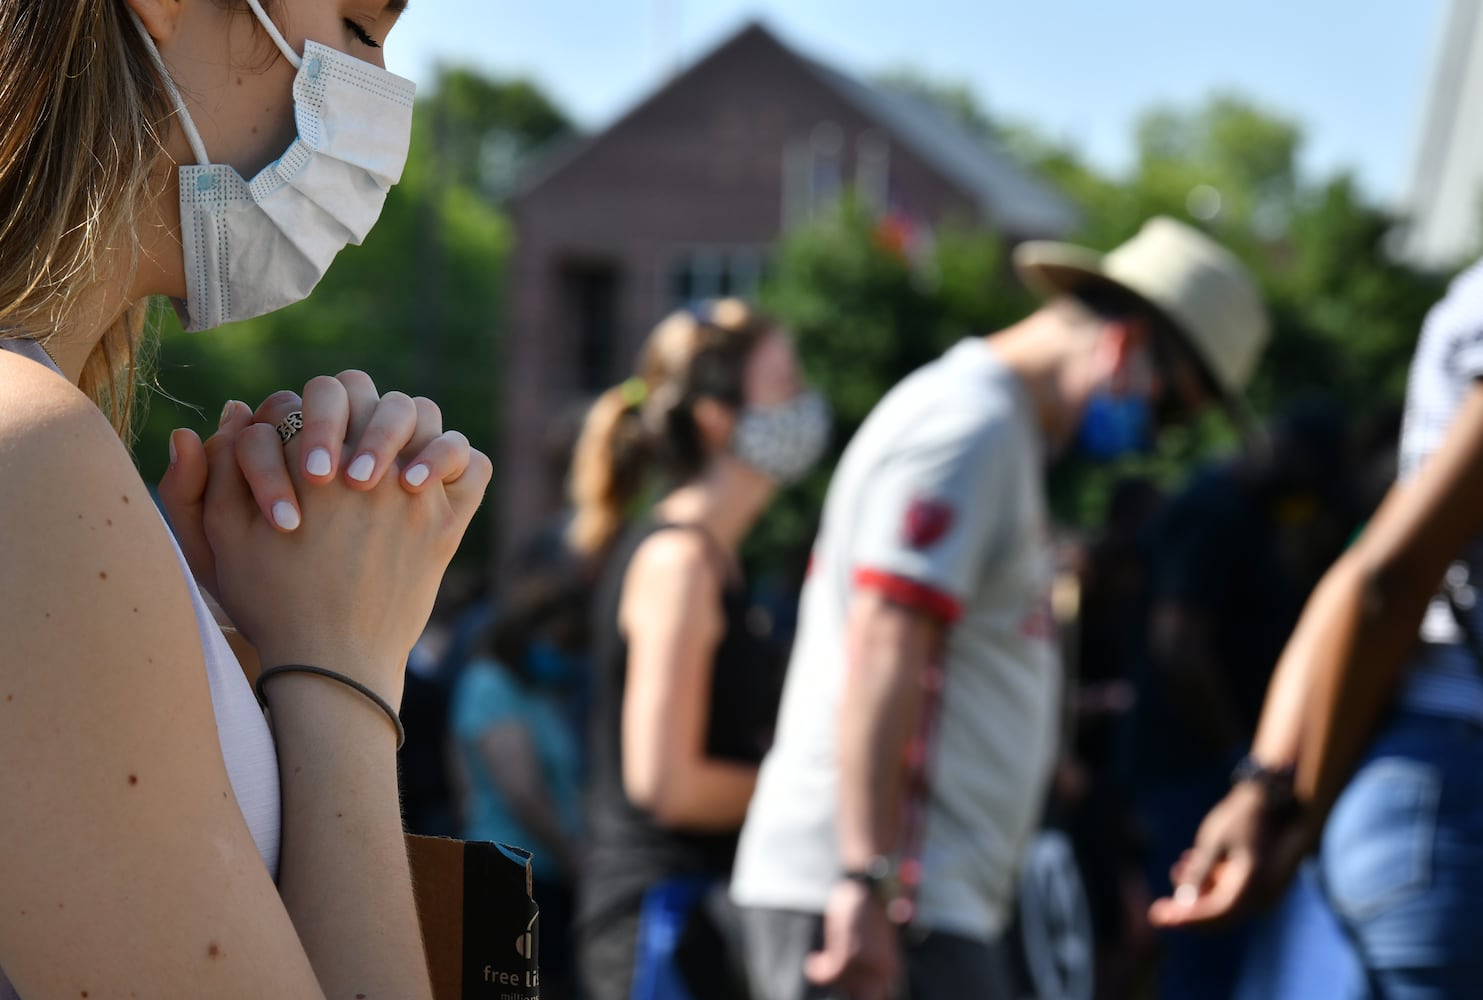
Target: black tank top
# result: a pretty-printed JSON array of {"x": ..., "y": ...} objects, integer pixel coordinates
[{"x": 628, "y": 852}]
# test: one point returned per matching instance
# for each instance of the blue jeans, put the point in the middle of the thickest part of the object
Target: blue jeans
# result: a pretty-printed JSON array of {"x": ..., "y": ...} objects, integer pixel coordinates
[
  {"x": 1299, "y": 950},
  {"x": 1402, "y": 859}
]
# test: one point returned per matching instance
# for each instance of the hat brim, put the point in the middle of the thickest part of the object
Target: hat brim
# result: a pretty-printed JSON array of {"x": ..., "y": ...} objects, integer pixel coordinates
[{"x": 1048, "y": 268}]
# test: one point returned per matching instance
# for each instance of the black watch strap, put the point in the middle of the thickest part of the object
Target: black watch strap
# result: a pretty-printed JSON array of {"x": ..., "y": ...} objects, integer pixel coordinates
[
  {"x": 878, "y": 876},
  {"x": 1275, "y": 782}
]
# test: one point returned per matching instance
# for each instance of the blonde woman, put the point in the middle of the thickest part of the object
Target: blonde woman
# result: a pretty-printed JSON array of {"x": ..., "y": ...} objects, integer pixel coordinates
[
  {"x": 156, "y": 839},
  {"x": 683, "y": 705}
]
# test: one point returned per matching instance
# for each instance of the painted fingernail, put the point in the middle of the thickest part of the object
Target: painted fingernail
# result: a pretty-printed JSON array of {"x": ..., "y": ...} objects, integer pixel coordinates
[
  {"x": 174, "y": 455},
  {"x": 318, "y": 462},
  {"x": 360, "y": 470},
  {"x": 285, "y": 516},
  {"x": 1186, "y": 895},
  {"x": 417, "y": 475}
]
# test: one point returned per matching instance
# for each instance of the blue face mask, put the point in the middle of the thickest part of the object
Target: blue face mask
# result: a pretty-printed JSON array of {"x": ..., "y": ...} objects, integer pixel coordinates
[{"x": 1113, "y": 426}]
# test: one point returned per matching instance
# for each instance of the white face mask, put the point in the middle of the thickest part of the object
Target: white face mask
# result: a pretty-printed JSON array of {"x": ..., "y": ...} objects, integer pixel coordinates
[{"x": 253, "y": 247}]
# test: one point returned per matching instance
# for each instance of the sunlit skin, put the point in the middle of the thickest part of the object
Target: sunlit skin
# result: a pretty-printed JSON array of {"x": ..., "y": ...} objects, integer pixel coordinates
[
  {"x": 106, "y": 697},
  {"x": 671, "y": 615}
]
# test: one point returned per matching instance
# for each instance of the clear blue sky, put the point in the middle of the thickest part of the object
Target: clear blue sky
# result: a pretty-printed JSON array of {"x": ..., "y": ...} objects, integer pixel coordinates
[{"x": 1354, "y": 73}]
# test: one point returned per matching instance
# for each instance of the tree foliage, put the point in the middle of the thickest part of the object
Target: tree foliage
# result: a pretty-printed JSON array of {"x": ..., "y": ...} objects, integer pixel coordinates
[
  {"x": 420, "y": 305},
  {"x": 1345, "y": 314}
]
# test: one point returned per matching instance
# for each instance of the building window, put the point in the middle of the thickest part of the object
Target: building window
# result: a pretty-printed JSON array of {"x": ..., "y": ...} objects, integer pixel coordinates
[
  {"x": 589, "y": 292},
  {"x": 715, "y": 272}
]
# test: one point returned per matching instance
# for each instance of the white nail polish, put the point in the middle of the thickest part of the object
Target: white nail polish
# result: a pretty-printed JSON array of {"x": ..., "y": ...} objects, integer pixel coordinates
[
  {"x": 1186, "y": 895},
  {"x": 285, "y": 516},
  {"x": 318, "y": 462},
  {"x": 360, "y": 470},
  {"x": 417, "y": 475}
]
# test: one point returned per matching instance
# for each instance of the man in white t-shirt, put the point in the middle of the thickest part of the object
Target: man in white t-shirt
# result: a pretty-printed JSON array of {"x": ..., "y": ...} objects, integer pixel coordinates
[{"x": 919, "y": 719}]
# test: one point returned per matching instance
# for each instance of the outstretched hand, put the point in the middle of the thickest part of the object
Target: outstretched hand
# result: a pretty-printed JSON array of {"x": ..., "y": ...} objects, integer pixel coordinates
[{"x": 1243, "y": 858}]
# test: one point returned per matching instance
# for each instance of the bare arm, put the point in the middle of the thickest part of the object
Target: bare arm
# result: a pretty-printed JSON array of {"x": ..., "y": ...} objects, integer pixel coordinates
[
  {"x": 1338, "y": 674},
  {"x": 888, "y": 648},
  {"x": 1371, "y": 604},
  {"x": 128, "y": 866},
  {"x": 510, "y": 755},
  {"x": 343, "y": 872},
  {"x": 158, "y": 889},
  {"x": 671, "y": 613}
]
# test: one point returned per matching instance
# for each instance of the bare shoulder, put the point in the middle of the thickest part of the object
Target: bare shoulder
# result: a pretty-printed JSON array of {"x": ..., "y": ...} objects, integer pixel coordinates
[
  {"x": 81, "y": 529},
  {"x": 676, "y": 561},
  {"x": 121, "y": 835},
  {"x": 92, "y": 590},
  {"x": 31, "y": 390},
  {"x": 673, "y": 585}
]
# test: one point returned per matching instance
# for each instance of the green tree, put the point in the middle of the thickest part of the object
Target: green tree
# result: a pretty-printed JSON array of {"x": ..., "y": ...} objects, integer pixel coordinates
[
  {"x": 1345, "y": 315},
  {"x": 482, "y": 130}
]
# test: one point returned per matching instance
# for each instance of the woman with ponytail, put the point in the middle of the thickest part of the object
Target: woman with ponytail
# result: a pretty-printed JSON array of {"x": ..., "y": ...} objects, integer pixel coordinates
[
  {"x": 682, "y": 707},
  {"x": 158, "y": 836}
]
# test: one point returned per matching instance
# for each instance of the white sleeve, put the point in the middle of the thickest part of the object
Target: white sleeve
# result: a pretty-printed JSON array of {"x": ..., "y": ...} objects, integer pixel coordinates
[{"x": 934, "y": 510}]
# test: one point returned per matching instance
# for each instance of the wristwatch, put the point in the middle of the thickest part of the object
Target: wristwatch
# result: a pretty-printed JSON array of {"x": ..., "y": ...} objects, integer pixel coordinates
[
  {"x": 1276, "y": 783},
  {"x": 879, "y": 877}
]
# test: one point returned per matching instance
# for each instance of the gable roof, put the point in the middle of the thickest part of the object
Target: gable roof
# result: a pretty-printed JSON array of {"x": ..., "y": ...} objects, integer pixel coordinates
[{"x": 1006, "y": 193}]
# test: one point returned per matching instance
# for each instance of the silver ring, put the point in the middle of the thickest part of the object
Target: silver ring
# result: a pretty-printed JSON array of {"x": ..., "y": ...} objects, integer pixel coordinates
[{"x": 290, "y": 425}]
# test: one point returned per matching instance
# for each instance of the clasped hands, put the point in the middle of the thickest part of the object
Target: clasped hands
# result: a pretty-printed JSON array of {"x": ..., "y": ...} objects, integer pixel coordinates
[{"x": 329, "y": 549}]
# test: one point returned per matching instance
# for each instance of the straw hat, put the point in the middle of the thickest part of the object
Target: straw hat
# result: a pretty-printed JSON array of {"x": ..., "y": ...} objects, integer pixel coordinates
[{"x": 1198, "y": 285}]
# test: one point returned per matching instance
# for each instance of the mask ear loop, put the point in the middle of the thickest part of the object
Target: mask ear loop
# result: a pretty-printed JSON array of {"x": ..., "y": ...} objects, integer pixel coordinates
[
  {"x": 192, "y": 136},
  {"x": 294, "y": 59}
]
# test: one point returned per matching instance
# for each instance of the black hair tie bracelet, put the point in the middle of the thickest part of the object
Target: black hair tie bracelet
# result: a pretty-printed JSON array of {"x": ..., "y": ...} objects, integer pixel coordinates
[{"x": 350, "y": 682}]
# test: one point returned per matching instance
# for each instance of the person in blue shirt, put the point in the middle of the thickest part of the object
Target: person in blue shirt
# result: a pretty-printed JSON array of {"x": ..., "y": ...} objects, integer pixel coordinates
[{"x": 518, "y": 755}]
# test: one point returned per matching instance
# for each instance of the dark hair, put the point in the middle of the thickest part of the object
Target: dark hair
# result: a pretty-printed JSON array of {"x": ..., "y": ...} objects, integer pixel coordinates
[
  {"x": 649, "y": 420},
  {"x": 1111, "y": 302}
]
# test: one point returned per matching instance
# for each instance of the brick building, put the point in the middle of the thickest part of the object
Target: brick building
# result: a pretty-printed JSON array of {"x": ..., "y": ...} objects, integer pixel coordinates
[{"x": 685, "y": 196}]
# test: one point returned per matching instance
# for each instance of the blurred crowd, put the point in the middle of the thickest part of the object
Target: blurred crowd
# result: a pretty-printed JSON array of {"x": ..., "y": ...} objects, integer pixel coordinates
[{"x": 1169, "y": 616}]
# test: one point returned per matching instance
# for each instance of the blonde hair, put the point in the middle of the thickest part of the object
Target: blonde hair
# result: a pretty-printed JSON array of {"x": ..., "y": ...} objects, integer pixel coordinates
[
  {"x": 633, "y": 427},
  {"x": 82, "y": 116}
]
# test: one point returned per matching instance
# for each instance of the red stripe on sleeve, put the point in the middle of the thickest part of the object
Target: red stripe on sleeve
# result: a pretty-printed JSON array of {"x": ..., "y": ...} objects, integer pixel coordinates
[{"x": 911, "y": 593}]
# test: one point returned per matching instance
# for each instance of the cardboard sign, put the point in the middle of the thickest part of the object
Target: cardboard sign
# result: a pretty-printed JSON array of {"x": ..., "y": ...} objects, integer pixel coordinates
[{"x": 479, "y": 923}]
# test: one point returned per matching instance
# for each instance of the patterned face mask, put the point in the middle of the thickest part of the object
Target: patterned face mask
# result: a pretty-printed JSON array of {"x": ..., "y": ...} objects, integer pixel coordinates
[{"x": 784, "y": 442}]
